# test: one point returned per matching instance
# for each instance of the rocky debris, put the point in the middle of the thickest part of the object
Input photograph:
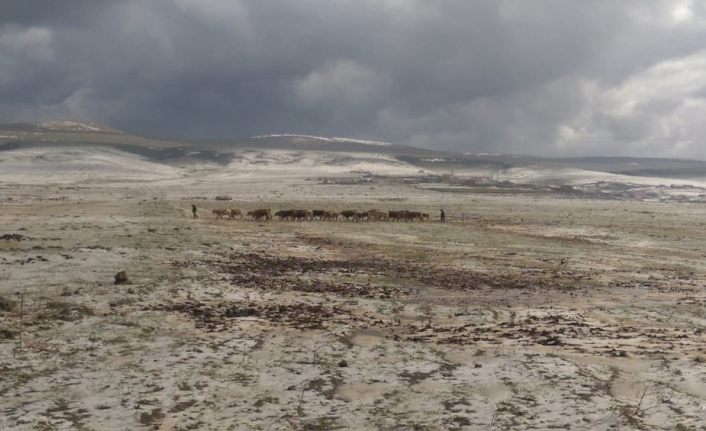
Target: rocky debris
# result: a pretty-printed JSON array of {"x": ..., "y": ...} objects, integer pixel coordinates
[
  {"x": 24, "y": 261},
  {"x": 223, "y": 198},
  {"x": 7, "y": 334},
  {"x": 13, "y": 237},
  {"x": 216, "y": 316},
  {"x": 65, "y": 311},
  {"x": 570, "y": 332},
  {"x": 152, "y": 418},
  {"x": 121, "y": 278},
  {"x": 6, "y": 304},
  {"x": 266, "y": 272}
]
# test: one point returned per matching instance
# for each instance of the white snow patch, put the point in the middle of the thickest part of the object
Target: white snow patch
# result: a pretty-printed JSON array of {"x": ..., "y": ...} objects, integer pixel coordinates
[
  {"x": 314, "y": 162},
  {"x": 71, "y": 126},
  {"x": 63, "y": 165},
  {"x": 323, "y": 139}
]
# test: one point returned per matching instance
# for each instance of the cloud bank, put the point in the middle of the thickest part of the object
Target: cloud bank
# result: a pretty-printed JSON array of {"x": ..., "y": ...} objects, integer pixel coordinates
[{"x": 552, "y": 77}]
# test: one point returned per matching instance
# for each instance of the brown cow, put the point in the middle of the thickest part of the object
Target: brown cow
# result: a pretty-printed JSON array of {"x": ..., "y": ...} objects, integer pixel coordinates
[
  {"x": 412, "y": 216},
  {"x": 350, "y": 215},
  {"x": 375, "y": 215},
  {"x": 233, "y": 212},
  {"x": 284, "y": 214},
  {"x": 397, "y": 215},
  {"x": 301, "y": 215},
  {"x": 318, "y": 214},
  {"x": 221, "y": 212},
  {"x": 259, "y": 214},
  {"x": 331, "y": 215}
]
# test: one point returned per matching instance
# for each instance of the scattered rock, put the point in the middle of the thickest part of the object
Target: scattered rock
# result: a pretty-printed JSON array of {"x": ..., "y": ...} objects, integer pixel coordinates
[
  {"x": 122, "y": 278},
  {"x": 66, "y": 311},
  {"x": 216, "y": 316},
  {"x": 13, "y": 237},
  {"x": 7, "y": 333},
  {"x": 6, "y": 304},
  {"x": 224, "y": 198},
  {"x": 154, "y": 417},
  {"x": 343, "y": 363}
]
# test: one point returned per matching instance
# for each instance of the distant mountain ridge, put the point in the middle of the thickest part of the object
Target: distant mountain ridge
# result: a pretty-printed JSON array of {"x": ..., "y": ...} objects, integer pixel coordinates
[
  {"x": 68, "y": 132},
  {"x": 72, "y": 133},
  {"x": 301, "y": 142},
  {"x": 59, "y": 126},
  {"x": 75, "y": 126},
  {"x": 321, "y": 138}
]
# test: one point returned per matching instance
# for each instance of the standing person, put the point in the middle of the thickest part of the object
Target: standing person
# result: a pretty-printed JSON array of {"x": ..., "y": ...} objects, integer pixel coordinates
[
  {"x": 442, "y": 216},
  {"x": 193, "y": 210}
]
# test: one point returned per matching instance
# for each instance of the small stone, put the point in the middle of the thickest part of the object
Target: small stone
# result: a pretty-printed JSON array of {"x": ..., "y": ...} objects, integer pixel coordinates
[
  {"x": 343, "y": 363},
  {"x": 122, "y": 278}
]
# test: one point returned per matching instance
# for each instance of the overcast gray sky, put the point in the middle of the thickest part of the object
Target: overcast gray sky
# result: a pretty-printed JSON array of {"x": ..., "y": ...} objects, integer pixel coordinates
[{"x": 548, "y": 77}]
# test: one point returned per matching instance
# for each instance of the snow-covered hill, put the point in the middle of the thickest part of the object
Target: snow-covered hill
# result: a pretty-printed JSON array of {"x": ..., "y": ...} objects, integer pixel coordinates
[
  {"x": 75, "y": 126},
  {"x": 61, "y": 165},
  {"x": 305, "y": 138}
]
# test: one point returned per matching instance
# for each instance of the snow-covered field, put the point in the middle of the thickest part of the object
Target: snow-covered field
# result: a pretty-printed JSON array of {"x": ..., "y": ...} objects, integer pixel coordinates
[
  {"x": 573, "y": 176},
  {"x": 65, "y": 164},
  {"x": 523, "y": 312},
  {"x": 62, "y": 165}
]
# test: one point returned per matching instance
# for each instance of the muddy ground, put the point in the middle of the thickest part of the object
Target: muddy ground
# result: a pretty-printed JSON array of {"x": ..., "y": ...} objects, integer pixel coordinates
[{"x": 523, "y": 312}]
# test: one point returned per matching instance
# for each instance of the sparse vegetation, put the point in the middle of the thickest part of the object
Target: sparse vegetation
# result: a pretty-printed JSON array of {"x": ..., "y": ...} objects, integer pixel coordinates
[
  {"x": 6, "y": 304},
  {"x": 527, "y": 313}
]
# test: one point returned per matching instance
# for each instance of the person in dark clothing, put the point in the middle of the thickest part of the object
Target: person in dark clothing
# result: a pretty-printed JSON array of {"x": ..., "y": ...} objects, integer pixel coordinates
[
  {"x": 442, "y": 215},
  {"x": 193, "y": 210}
]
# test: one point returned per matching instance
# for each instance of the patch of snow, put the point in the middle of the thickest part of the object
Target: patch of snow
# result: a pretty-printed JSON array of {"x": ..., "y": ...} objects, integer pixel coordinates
[
  {"x": 360, "y": 141},
  {"x": 310, "y": 163},
  {"x": 574, "y": 176},
  {"x": 64, "y": 165},
  {"x": 71, "y": 126},
  {"x": 323, "y": 139}
]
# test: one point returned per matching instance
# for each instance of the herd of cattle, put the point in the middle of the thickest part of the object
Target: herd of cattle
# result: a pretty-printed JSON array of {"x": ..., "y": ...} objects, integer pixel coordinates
[{"x": 266, "y": 214}]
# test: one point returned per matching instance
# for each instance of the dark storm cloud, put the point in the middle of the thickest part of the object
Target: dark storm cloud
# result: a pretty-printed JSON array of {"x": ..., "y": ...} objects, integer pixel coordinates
[{"x": 548, "y": 77}]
